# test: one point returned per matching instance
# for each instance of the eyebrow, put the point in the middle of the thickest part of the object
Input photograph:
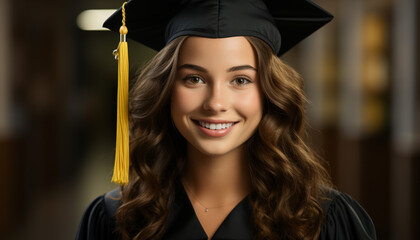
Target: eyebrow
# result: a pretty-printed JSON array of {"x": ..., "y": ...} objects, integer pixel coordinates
[
  {"x": 232, "y": 69},
  {"x": 193, "y": 67},
  {"x": 241, "y": 67}
]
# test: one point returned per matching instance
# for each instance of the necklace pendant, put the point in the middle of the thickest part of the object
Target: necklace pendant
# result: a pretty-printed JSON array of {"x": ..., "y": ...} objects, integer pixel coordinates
[{"x": 206, "y": 210}]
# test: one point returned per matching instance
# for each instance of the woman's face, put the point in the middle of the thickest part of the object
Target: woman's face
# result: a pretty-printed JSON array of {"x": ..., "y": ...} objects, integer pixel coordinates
[{"x": 216, "y": 102}]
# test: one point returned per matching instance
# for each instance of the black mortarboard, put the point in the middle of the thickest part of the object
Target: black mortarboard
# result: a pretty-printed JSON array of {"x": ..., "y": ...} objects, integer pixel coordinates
[{"x": 279, "y": 23}]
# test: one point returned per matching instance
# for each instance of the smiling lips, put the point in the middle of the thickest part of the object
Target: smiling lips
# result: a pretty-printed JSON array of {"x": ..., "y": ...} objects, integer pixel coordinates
[
  {"x": 214, "y": 129},
  {"x": 215, "y": 126}
]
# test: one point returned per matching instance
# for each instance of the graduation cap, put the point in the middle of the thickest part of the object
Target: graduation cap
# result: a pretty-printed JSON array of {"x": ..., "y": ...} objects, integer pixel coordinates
[{"x": 279, "y": 23}]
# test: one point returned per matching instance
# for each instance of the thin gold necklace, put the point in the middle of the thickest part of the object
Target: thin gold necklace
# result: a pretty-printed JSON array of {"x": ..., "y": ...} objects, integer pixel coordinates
[{"x": 206, "y": 209}]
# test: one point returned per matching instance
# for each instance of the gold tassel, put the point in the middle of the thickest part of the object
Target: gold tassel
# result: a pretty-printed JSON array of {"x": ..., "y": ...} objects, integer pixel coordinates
[{"x": 122, "y": 153}]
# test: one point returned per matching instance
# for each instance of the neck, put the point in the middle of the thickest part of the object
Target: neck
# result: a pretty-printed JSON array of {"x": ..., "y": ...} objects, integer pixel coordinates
[{"x": 217, "y": 180}]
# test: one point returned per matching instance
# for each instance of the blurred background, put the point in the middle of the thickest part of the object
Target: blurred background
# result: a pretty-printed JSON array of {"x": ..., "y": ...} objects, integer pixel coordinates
[{"x": 58, "y": 104}]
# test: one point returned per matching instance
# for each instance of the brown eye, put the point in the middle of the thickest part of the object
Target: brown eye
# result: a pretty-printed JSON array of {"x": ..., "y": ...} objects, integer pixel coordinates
[
  {"x": 196, "y": 80},
  {"x": 241, "y": 81},
  {"x": 193, "y": 80}
]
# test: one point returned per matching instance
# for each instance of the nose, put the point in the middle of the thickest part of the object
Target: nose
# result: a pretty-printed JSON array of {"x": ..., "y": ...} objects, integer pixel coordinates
[{"x": 217, "y": 99}]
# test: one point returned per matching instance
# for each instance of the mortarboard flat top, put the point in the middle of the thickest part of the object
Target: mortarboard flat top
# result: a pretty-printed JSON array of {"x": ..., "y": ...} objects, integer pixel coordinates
[{"x": 279, "y": 23}]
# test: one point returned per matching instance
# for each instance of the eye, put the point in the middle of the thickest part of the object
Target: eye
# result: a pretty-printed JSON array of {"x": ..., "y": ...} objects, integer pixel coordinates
[
  {"x": 241, "y": 81},
  {"x": 193, "y": 80}
]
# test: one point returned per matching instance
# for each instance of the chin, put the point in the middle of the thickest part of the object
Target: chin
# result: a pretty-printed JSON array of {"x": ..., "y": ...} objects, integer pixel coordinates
[{"x": 216, "y": 150}]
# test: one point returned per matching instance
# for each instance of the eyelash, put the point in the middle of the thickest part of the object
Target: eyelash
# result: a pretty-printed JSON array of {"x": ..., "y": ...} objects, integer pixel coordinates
[
  {"x": 248, "y": 81},
  {"x": 189, "y": 79}
]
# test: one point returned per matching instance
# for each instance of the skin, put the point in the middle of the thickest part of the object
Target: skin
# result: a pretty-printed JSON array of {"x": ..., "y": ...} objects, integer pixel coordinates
[{"x": 217, "y": 80}]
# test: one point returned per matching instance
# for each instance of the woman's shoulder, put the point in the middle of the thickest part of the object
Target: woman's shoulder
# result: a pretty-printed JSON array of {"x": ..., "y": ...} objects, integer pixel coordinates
[
  {"x": 345, "y": 218},
  {"x": 98, "y": 221}
]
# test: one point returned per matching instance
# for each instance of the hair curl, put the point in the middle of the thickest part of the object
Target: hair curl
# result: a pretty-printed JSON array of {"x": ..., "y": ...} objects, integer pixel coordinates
[{"x": 287, "y": 179}]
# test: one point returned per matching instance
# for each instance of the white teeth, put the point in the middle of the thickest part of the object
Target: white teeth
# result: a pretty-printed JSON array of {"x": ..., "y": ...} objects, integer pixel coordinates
[{"x": 215, "y": 126}]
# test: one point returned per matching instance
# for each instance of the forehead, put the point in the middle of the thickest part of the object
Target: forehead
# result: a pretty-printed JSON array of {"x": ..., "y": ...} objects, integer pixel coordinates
[{"x": 217, "y": 51}]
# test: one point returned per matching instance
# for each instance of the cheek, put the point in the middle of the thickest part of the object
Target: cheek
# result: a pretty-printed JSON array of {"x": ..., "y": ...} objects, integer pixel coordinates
[
  {"x": 182, "y": 102},
  {"x": 250, "y": 106}
]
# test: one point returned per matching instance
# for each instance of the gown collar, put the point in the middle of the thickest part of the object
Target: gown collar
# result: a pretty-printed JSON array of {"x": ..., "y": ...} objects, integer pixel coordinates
[{"x": 184, "y": 224}]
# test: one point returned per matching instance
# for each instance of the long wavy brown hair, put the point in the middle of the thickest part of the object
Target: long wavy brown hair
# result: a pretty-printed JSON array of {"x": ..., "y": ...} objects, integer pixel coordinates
[{"x": 287, "y": 179}]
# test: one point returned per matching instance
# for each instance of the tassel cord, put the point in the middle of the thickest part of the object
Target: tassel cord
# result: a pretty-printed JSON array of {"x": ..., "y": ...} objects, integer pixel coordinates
[{"x": 121, "y": 166}]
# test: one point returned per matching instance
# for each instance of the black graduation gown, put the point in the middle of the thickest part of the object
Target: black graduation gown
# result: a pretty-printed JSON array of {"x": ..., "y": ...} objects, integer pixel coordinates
[{"x": 345, "y": 219}]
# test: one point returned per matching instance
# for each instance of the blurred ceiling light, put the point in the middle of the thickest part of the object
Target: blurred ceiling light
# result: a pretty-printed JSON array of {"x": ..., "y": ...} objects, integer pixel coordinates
[{"x": 92, "y": 20}]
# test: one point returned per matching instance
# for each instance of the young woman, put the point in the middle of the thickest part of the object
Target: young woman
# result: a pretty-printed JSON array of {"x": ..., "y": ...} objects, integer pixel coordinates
[{"x": 217, "y": 151}]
